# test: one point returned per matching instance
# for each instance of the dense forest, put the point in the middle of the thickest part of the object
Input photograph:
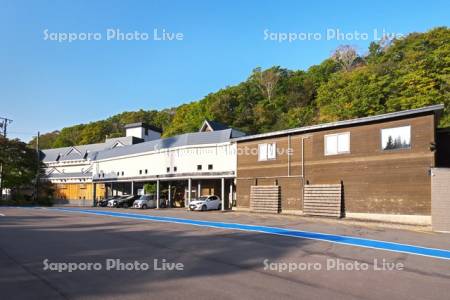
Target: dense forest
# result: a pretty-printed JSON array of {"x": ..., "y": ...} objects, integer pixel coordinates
[{"x": 393, "y": 75}]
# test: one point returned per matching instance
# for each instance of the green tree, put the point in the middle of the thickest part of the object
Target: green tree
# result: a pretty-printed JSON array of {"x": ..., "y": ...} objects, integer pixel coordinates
[
  {"x": 20, "y": 163},
  {"x": 400, "y": 74},
  {"x": 150, "y": 188},
  {"x": 46, "y": 140}
]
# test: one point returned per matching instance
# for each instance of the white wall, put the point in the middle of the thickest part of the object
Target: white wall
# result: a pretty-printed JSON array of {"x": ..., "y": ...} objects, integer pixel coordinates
[
  {"x": 139, "y": 132},
  {"x": 68, "y": 168},
  {"x": 221, "y": 156}
]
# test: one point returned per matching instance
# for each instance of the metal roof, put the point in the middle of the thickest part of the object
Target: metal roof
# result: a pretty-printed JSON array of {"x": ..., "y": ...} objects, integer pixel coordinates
[
  {"x": 187, "y": 139},
  {"x": 434, "y": 108},
  {"x": 83, "y": 151}
]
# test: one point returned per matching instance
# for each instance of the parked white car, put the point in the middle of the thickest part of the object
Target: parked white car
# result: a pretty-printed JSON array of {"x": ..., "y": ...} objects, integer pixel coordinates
[
  {"x": 145, "y": 201},
  {"x": 206, "y": 203}
]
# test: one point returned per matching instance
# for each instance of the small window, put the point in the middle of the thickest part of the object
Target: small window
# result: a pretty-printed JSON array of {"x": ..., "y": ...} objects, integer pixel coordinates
[
  {"x": 396, "y": 138},
  {"x": 118, "y": 173},
  {"x": 210, "y": 167},
  {"x": 146, "y": 171},
  {"x": 140, "y": 172},
  {"x": 337, "y": 143},
  {"x": 271, "y": 151},
  {"x": 174, "y": 169},
  {"x": 168, "y": 169},
  {"x": 123, "y": 173},
  {"x": 199, "y": 167},
  {"x": 267, "y": 151}
]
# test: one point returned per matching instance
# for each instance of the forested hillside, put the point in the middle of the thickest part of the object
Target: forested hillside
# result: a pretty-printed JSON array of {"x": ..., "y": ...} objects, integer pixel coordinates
[{"x": 392, "y": 75}]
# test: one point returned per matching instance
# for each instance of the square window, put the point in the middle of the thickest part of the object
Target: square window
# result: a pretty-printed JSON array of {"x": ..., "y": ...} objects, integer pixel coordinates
[
  {"x": 210, "y": 167},
  {"x": 337, "y": 143},
  {"x": 267, "y": 151},
  {"x": 199, "y": 167}
]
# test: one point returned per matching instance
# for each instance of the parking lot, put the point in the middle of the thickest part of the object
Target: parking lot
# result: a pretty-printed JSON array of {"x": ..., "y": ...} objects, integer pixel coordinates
[{"x": 221, "y": 263}]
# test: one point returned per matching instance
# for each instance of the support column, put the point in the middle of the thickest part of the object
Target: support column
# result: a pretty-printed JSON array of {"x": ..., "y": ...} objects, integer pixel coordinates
[
  {"x": 170, "y": 195},
  {"x": 132, "y": 188},
  {"x": 230, "y": 204},
  {"x": 199, "y": 189},
  {"x": 189, "y": 191},
  {"x": 223, "y": 194},
  {"x": 157, "y": 194},
  {"x": 94, "y": 194}
]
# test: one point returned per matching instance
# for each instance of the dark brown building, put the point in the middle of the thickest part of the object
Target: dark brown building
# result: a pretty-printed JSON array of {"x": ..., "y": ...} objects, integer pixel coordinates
[{"x": 381, "y": 165}]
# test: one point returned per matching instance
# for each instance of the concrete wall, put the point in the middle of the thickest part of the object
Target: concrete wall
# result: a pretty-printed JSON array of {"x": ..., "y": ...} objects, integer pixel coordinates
[{"x": 440, "y": 211}]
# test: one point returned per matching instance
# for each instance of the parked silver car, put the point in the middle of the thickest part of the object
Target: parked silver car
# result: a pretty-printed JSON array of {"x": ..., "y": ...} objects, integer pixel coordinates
[{"x": 145, "y": 201}]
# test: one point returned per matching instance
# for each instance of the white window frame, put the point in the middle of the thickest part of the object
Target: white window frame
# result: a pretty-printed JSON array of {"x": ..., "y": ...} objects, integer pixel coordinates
[
  {"x": 337, "y": 143},
  {"x": 265, "y": 155},
  {"x": 398, "y": 149}
]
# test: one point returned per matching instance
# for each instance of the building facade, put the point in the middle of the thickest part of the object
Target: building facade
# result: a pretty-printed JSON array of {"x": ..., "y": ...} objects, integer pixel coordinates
[
  {"x": 383, "y": 164},
  {"x": 376, "y": 167},
  {"x": 202, "y": 162}
]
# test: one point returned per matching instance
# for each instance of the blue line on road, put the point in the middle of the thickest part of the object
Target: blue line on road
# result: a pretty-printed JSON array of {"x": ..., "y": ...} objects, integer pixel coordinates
[{"x": 333, "y": 238}]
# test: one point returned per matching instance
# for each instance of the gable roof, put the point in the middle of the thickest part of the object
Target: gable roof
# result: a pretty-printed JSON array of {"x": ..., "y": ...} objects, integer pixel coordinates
[
  {"x": 187, "y": 139},
  {"x": 217, "y": 126},
  {"x": 83, "y": 152},
  {"x": 213, "y": 126},
  {"x": 436, "y": 109}
]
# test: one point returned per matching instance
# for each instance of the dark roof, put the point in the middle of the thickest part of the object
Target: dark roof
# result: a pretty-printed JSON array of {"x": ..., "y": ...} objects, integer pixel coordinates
[
  {"x": 187, "y": 139},
  {"x": 84, "y": 151},
  {"x": 132, "y": 145},
  {"x": 145, "y": 125},
  {"x": 216, "y": 125},
  {"x": 437, "y": 109}
]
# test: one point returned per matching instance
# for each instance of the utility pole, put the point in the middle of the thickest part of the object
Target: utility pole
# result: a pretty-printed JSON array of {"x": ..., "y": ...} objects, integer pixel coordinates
[{"x": 4, "y": 122}]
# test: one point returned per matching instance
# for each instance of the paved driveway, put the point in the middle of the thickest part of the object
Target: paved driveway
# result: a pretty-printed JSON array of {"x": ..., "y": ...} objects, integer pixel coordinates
[{"x": 217, "y": 262}]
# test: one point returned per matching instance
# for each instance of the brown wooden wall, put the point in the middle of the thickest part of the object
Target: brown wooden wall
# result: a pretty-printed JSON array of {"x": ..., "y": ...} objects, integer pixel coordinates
[
  {"x": 78, "y": 191},
  {"x": 374, "y": 180}
]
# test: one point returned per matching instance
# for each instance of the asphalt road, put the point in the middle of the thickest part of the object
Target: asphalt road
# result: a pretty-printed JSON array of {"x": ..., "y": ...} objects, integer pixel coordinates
[{"x": 216, "y": 263}]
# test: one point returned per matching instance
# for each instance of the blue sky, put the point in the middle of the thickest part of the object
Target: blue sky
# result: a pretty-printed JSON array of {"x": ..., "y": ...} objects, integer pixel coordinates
[{"x": 46, "y": 84}]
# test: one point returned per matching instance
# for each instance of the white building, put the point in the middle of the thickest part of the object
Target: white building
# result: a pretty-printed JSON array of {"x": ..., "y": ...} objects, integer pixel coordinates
[{"x": 203, "y": 162}]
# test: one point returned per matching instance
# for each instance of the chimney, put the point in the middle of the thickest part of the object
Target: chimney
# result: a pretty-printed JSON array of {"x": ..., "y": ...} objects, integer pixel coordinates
[{"x": 143, "y": 131}]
